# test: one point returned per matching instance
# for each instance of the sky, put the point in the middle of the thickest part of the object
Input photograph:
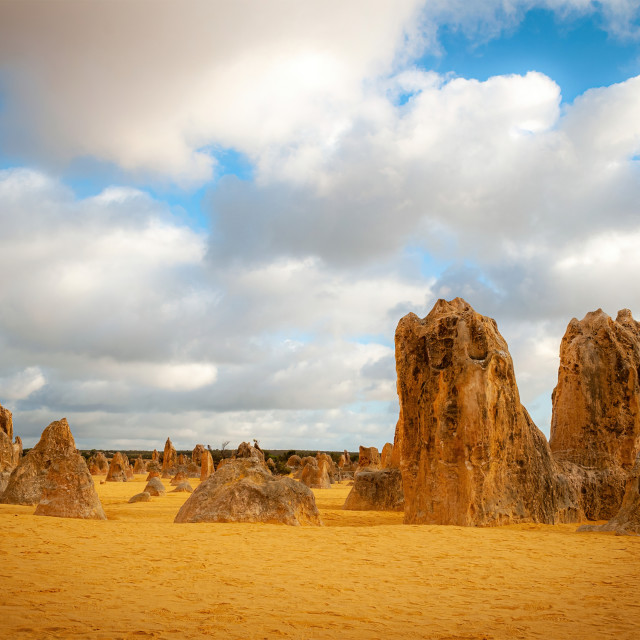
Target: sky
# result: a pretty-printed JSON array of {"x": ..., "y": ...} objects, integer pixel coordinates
[{"x": 213, "y": 215}]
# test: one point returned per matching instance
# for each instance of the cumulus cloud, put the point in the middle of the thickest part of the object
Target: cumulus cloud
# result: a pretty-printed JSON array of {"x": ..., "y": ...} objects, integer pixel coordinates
[
  {"x": 158, "y": 89},
  {"x": 278, "y": 323}
]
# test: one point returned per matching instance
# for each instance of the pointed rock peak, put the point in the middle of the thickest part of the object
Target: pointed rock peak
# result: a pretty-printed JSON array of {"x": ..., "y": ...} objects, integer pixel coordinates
[
  {"x": 448, "y": 307},
  {"x": 57, "y": 437}
]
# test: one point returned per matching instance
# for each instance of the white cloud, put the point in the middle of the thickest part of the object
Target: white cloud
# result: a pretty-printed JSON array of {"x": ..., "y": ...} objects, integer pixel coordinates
[{"x": 22, "y": 384}]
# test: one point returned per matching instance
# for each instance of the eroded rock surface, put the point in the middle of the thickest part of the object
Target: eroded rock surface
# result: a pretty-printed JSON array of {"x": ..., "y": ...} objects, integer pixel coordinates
[
  {"x": 27, "y": 480},
  {"x": 376, "y": 490},
  {"x": 169, "y": 460},
  {"x": 386, "y": 456},
  {"x": 197, "y": 453},
  {"x": 98, "y": 464},
  {"x": 243, "y": 490},
  {"x": 69, "y": 492},
  {"x": 369, "y": 458},
  {"x": 595, "y": 425},
  {"x": 8, "y": 460},
  {"x": 155, "y": 487},
  {"x": 627, "y": 520},
  {"x": 315, "y": 474},
  {"x": 139, "y": 466},
  {"x": 117, "y": 468},
  {"x": 468, "y": 451},
  {"x": 206, "y": 468}
]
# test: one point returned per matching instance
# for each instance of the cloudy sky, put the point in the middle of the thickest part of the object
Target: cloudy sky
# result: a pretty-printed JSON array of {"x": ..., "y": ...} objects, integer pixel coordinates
[{"x": 213, "y": 214}]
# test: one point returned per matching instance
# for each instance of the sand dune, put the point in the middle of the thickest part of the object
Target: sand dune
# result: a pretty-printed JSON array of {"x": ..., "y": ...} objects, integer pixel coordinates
[{"x": 363, "y": 575}]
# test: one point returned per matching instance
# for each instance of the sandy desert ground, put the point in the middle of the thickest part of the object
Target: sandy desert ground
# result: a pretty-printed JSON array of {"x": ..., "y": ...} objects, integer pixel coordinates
[{"x": 362, "y": 575}]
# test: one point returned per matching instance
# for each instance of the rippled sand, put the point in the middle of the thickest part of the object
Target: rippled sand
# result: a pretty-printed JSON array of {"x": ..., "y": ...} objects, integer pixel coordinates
[{"x": 363, "y": 575}]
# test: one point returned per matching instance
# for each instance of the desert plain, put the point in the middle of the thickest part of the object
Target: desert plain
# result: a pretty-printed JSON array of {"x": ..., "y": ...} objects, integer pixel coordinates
[{"x": 363, "y": 574}]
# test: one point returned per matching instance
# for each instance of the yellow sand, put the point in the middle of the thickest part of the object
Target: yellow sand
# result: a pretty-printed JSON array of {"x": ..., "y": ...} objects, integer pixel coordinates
[{"x": 363, "y": 575}]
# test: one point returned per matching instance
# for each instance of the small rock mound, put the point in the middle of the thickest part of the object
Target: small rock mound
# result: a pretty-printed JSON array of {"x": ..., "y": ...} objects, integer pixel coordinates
[
  {"x": 179, "y": 478},
  {"x": 243, "y": 490},
  {"x": 155, "y": 487},
  {"x": 376, "y": 490},
  {"x": 69, "y": 492},
  {"x": 183, "y": 487},
  {"x": 144, "y": 496},
  {"x": 294, "y": 462}
]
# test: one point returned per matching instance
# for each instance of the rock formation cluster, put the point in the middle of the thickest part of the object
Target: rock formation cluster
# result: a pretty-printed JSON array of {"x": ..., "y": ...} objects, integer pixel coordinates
[{"x": 468, "y": 451}]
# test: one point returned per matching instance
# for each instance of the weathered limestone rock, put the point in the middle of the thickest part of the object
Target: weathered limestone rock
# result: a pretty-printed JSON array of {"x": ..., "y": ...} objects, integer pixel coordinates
[
  {"x": 469, "y": 452},
  {"x": 369, "y": 458},
  {"x": 117, "y": 469},
  {"x": 155, "y": 487},
  {"x": 139, "y": 466},
  {"x": 27, "y": 480},
  {"x": 294, "y": 462},
  {"x": 196, "y": 455},
  {"x": 155, "y": 456},
  {"x": 169, "y": 460},
  {"x": 98, "y": 464},
  {"x": 206, "y": 468},
  {"x": 181, "y": 460},
  {"x": 315, "y": 474},
  {"x": 245, "y": 450},
  {"x": 153, "y": 474},
  {"x": 68, "y": 491},
  {"x": 183, "y": 487},
  {"x": 180, "y": 477},
  {"x": 376, "y": 490},
  {"x": 386, "y": 456},
  {"x": 6, "y": 422},
  {"x": 627, "y": 520},
  {"x": 144, "y": 496},
  {"x": 243, "y": 490},
  {"x": 8, "y": 460},
  {"x": 595, "y": 425}
]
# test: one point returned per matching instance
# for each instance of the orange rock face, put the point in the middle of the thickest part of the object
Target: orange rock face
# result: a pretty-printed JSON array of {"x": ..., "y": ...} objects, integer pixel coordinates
[
  {"x": 169, "y": 459},
  {"x": 117, "y": 469},
  {"x": 468, "y": 451},
  {"x": 369, "y": 458},
  {"x": 376, "y": 490},
  {"x": 315, "y": 474},
  {"x": 596, "y": 408},
  {"x": 28, "y": 478},
  {"x": 98, "y": 464},
  {"x": 139, "y": 466},
  {"x": 627, "y": 520},
  {"x": 386, "y": 456},
  {"x": 196, "y": 455},
  {"x": 8, "y": 460},
  {"x": 69, "y": 492},
  {"x": 206, "y": 467}
]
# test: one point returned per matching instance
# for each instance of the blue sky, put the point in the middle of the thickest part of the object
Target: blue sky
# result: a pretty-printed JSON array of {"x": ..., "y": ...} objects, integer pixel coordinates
[{"x": 216, "y": 242}]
